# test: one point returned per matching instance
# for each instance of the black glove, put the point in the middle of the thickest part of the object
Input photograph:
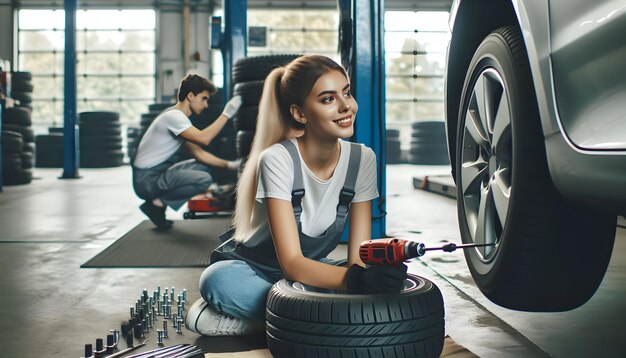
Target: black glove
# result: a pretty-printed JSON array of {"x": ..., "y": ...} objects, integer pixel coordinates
[{"x": 375, "y": 279}]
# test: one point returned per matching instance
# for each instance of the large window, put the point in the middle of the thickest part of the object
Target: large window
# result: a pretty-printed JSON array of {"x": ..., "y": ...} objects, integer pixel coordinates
[
  {"x": 415, "y": 46},
  {"x": 115, "y": 61},
  {"x": 295, "y": 31},
  {"x": 292, "y": 31}
]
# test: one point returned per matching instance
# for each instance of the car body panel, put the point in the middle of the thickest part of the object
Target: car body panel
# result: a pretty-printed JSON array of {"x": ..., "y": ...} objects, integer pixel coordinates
[
  {"x": 589, "y": 167},
  {"x": 588, "y": 57}
]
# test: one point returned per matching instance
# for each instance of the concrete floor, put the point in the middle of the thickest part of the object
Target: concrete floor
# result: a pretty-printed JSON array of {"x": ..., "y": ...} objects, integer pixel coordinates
[{"x": 51, "y": 307}]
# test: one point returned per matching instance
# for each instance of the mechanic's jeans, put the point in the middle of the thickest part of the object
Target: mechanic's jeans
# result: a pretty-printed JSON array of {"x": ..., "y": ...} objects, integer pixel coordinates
[
  {"x": 174, "y": 185},
  {"x": 236, "y": 288}
]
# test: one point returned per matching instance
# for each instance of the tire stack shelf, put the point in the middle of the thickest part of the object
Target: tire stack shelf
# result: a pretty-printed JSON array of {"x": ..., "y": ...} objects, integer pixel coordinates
[
  {"x": 428, "y": 143},
  {"x": 393, "y": 146},
  {"x": 100, "y": 140},
  {"x": 50, "y": 149},
  {"x": 18, "y": 139},
  {"x": 17, "y": 151}
]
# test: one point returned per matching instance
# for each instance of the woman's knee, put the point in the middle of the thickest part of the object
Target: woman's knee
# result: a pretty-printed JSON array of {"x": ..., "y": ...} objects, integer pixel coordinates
[
  {"x": 215, "y": 277},
  {"x": 233, "y": 287}
]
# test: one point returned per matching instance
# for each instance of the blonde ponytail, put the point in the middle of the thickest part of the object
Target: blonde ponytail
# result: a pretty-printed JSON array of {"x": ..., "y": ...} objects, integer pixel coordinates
[{"x": 271, "y": 128}]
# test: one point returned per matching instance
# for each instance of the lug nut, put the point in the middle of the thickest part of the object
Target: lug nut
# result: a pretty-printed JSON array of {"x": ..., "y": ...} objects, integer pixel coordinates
[
  {"x": 159, "y": 336},
  {"x": 129, "y": 339},
  {"x": 165, "y": 328},
  {"x": 110, "y": 342},
  {"x": 88, "y": 351},
  {"x": 116, "y": 336},
  {"x": 99, "y": 346}
]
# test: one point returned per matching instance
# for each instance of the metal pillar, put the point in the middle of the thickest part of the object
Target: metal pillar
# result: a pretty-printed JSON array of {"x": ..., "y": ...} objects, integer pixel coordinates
[
  {"x": 1, "y": 110},
  {"x": 235, "y": 35},
  {"x": 70, "y": 129},
  {"x": 368, "y": 85}
]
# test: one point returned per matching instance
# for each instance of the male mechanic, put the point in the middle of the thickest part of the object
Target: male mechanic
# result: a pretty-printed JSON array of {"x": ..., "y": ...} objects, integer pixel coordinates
[{"x": 159, "y": 175}]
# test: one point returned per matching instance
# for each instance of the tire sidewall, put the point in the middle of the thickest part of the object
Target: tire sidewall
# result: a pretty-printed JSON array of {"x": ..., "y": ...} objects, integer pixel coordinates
[
  {"x": 492, "y": 53},
  {"x": 421, "y": 286}
]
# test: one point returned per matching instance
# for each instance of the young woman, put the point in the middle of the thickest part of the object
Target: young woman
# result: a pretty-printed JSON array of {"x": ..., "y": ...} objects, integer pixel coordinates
[{"x": 294, "y": 194}]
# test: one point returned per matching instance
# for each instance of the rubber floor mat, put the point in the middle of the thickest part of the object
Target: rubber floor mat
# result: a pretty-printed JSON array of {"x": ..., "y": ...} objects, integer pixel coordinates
[{"x": 187, "y": 244}]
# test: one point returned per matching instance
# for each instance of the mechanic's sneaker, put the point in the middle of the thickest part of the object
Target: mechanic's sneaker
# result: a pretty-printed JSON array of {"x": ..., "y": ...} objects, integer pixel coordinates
[
  {"x": 204, "y": 319},
  {"x": 156, "y": 215}
]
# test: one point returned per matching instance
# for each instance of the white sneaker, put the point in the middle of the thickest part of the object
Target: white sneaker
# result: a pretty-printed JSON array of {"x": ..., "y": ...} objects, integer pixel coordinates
[{"x": 204, "y": 319}]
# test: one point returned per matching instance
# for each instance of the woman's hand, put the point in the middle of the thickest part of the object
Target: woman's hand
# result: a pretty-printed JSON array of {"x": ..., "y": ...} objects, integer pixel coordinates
[{"x": 375, "y": 279}]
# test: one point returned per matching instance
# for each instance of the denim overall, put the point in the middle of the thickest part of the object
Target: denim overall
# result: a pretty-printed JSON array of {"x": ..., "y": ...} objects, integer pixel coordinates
[
  {"x": 263, "y": 255},
  {"x": 173, "y": 181}
]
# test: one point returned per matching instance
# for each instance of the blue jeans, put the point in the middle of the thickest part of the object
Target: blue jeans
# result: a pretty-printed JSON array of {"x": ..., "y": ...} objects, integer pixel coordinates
[
  {"x": 236, "y": 288},
  {"x": 174, "y": 184},
  {"x": 240, "y": 290}
]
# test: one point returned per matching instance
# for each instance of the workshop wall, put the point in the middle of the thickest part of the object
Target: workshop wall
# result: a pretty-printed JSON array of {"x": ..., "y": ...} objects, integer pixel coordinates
[
  {"x": 6, "y": 31},
  {"x": 170, "y": 53},
  {"x": 170, "y": 36}
]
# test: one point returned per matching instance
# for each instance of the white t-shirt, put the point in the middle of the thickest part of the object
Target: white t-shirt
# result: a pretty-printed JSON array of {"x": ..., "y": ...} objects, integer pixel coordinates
[
  {"x": 319, "y": 204},
  {"x": 161, "y": 140}
]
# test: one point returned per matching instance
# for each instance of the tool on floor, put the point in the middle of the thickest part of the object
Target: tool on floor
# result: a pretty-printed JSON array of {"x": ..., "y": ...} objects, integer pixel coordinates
[
  {"x": 175, "y": 351},
  {"x": 208, "y": 207},
  {"x": 394, "y": 251},
  {"x": 221, "y": 203},
  {"x": 127, "y": 350}
]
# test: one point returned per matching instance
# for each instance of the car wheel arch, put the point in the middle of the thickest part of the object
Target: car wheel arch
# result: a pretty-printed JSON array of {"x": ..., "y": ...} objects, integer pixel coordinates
[{"x": 482, "y": 17}]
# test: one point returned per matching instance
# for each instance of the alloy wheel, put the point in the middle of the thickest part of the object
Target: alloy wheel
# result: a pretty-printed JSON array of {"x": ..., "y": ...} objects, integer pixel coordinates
[{"x": 486, "y": 167}]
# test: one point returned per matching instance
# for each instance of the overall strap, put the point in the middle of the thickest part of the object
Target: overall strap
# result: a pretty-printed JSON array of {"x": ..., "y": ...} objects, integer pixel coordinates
[
  {"x": 347, "y": 192},
  {"x": 298, "y": 185}
]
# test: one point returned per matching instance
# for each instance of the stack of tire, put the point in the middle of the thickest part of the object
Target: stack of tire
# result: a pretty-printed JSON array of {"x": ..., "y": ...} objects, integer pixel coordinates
[
  {"x": 132, "y": 140},
  {"x": 22, "y": 89},
  {"x": 50, "y": 148},
  {"x": 428, "y": 143},
  {"x": 393, "y": 146},
  {"x": 17, "y": 146},
  {"x": 248, "y": 76},
  {"x": 100, "y": 140}
]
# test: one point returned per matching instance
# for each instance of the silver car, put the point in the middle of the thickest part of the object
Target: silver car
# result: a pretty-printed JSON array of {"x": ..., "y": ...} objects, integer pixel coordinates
[{"x": 536, "y": 126}]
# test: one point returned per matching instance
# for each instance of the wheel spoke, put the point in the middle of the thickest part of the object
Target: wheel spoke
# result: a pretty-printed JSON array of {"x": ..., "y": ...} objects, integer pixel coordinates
[
  {"x": 472, "y": 175},
  {"x": 473, "y": 125},
  {"x": 502, "y": 129},
  {"x": 501, "y": 191},
  {"x": 483, "y": 220},
  {"x": 493, "y": 93},
  {"x": 481, "y": 94}
]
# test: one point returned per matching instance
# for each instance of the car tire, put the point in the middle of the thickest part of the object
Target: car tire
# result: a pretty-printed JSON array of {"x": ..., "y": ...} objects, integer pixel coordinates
[
  {"x": 550, "y": 254},
  {"x": 302, "y": 323}
]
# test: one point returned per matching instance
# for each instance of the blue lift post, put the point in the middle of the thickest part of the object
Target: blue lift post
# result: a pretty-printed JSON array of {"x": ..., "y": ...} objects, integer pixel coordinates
[
  {"x": 70, "y": 129},
  {"x": 368, "y": 86},
  {"x": 234, "y": 39},
  {"x": 1, "y": 109}
]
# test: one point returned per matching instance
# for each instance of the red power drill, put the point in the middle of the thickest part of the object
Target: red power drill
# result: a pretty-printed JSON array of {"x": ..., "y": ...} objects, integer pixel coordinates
[{"x": 394, "y": 251}]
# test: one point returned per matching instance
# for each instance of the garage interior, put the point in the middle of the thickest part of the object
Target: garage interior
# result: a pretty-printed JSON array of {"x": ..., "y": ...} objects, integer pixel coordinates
[{"x": 68, "y": 213}]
